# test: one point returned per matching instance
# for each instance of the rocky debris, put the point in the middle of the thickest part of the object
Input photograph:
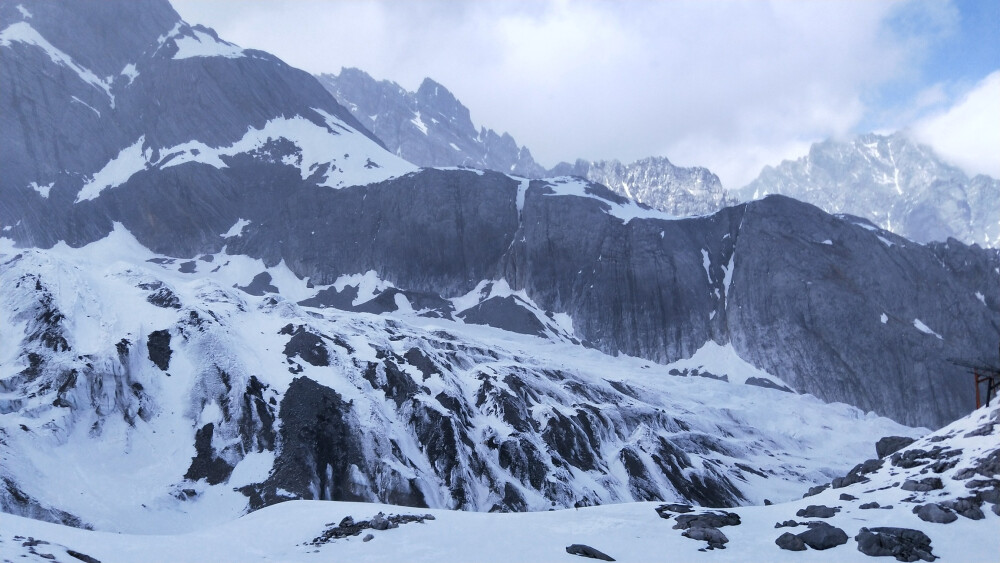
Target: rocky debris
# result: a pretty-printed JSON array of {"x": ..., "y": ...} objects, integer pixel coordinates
[
  {"x": 823, "y": 536},
  {"x": 707, "y": 520},
  {"x": 368, "y": 537},
  {"x": 916, "y": 456},
  {"x": 715, "y": 538},
  {"x": 817, "y": 511},
  {"x": 984, "y": 430},
  {"x": 869, "y": 505},
  {"x": 847, "y": 497},
  {"x": 967, "y": 507},
  {"x": 164, "y": 298},
  {"x": 858, "y": 473},
  {"x": 705, "y": 526},
  {"x": 813, "y": 491},
  {"x": 791, "y": 542},
  {"x": 767, "y": 384},
  {"x": 587, "y": 551},
  {"x": 902, "y": 543},
  {"x": 923, "y": 485},
  {"x": 934, "y": 512},
  {"x": 786, "y": 524},
  {"x": 348, "y": 527},
  {"x": 891, "y": 444}
]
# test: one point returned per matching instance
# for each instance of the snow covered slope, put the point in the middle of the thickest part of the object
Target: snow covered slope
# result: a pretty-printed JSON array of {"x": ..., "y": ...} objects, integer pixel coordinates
[
  {"x": 894, "y": 182},
  {"x": 304, "y": 530},
  {"x": 164, "y": 394}
]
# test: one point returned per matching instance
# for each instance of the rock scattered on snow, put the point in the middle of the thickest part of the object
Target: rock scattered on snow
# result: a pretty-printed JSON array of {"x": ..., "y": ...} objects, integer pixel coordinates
[
  {"x": 817, "y": 511},
  {"x": 933, "y": 512},
  {"x": 891, "y": 444},
  {"x": 791, "y": 542},
  {"x": 587, "y": 551},
  {"x": 821, "y": 536},
  {"x": 902, "y": 543},
  {"x": 348, "y": 527}
]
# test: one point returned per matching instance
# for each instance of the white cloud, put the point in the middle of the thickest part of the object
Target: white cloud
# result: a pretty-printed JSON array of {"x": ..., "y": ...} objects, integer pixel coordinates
[
  {"x": 720, "y": 84},
  {"x": 968, "y": 133}
]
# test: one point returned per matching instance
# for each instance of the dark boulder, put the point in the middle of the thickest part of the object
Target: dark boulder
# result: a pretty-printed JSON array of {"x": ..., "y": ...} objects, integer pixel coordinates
[
  {"x": 933, "y": 512},
  {"x": 817, "y": 511},
  {"x": 706, "y": 520},
  {"x": 891, "y": 444},
  {"x": 791, "y": 542},
  {"x": 823, "y": 536},
  {"x": 715, "y": 538},
  {"x": 923, "y": 485},
  {"x": 902, "y": 543},
  {"x": 587, "y": 551}
]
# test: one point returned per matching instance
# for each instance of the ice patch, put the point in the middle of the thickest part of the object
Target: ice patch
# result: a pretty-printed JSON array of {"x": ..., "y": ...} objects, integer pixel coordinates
[
  {"x": 706, "y": 262},
  {"x": 237, "y": 229},
  {"x": 884, "y": 318},
  {"x": 21, "y": 32},
  {"x": 130, "y": 72},
  {"x": 201, "y": 44},
  {"x": 42, "y": 190},
  {"x": 116, "y": 172},
  {"x": 924, "y": 328},
  {"x": 827, "y": 242},
  {"x": 79, "y": 101},
  {"x": 454, "y": 146},
  {"x": 981, "y": 298},
  {"x": 570, "y": 186},
  {"x": 24, "y": 11},
  {"x": 419, "y": 123}
]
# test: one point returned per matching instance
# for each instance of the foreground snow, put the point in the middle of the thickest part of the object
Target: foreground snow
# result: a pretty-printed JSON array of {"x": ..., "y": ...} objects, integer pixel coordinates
[{"x": 627, "y": 532}]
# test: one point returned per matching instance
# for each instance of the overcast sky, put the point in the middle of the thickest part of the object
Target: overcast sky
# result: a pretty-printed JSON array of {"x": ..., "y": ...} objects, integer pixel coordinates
[{"x": 727, "y": 85}]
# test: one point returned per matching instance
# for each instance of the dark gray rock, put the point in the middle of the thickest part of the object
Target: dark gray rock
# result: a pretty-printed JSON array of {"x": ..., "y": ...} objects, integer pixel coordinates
[
  {"x": 158, "y": 348},
  {"x": 823, "y": 536},
  {"x": 891, "y": 444},
  {"x": 817, "y": 511},
  {"x": 922, "y": 485},
  {"x": 82, "y": 556},
  {"x": 706, "y": 520},
  {"x": 507, "y": 313},
  {"x": 933, "y": 512},
  {"x": 847, "y": 497},
  {"x": 368, "y": 538},
  {"x": 968, "y": 507},
  {"x": 869, "y": 505},
  {"x": 791, "y": 542},
  {"x": 902, "y": 543},
  {"x": 715, "y": 538},
  {"x": 587, "y": 551},
  {"x": 813, "y": 491},
  {"x": 767, "y": 384},
  {"x": 259, "y": 285}
]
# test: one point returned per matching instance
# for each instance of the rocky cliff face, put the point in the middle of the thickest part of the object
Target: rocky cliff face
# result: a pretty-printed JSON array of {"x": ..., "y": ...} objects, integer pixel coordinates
[
  {"x": 656, "y": 182},
  {"x": 894, "y": 182},
  {"x": 429, "y": 127}
]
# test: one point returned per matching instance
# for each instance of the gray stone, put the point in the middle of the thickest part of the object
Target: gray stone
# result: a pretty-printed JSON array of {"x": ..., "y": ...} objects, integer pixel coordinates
[
  {"x": 587, "y": 551},
  {"x": 817, "y": 511},
  {"x": 791, "y": 542},
  {"x": 933, "y": 512},
  {"x": 902, "y": 543},
  {"x": 922, "y": 485},
  {"x": 715, "y": 538},
  {"x": 891, "y": 444},
  {"x": 368, "y": 538},
  {"x": 823, "y": 536}
]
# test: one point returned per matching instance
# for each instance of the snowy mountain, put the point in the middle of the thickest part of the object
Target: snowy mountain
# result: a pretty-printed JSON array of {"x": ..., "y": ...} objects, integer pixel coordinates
[
  {"x": 913, "y": 504},
  {"x": 899, "y": 185},
  {"x": 656, "y": 182},
  {"x": 220, "y": 293},
  {"x": 430, "y": 127}
]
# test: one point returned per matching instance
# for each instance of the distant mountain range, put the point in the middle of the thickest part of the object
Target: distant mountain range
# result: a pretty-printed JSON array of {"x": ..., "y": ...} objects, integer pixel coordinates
[
  {"x": 898, "y": 184},
  {"x": 894, "y": 182},
  {"x": 430, "y": 127}
]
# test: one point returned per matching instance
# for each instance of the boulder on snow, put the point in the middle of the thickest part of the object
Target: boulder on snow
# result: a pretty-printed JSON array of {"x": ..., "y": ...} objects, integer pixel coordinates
[
  {"x": 817, "y": 511},
  {"x": 791, "y": 542},
  {"x": 869, "y": 505},
  {"x": 823, "y": 536},
  {"x": 891, "y": 444},
  {"x": 902, "y": 543},
  {"x": 967, "y": 507},
  {"x": 587, "y": 551},
  {"x": 707, "y": 520},
  {"x": 715, "y": 538},
  {"x": 933, "y": 512},
  {"x": 923, "y": 485}
]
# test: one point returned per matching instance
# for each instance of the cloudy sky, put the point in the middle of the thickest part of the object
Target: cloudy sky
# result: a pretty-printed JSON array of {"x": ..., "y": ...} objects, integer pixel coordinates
[{"x": 727, "y": 85}]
